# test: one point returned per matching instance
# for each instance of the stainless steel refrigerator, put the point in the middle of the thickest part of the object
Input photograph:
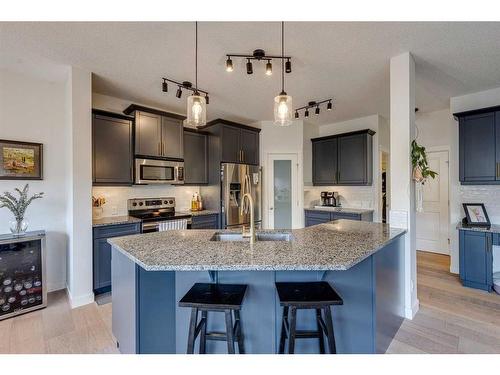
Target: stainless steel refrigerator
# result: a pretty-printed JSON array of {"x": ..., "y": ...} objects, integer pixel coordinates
[{"x": 236, "y": 180}]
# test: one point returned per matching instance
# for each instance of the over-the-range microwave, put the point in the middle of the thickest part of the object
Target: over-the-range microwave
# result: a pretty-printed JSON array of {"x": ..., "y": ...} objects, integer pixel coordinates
[{"x": 152, "y": 171}]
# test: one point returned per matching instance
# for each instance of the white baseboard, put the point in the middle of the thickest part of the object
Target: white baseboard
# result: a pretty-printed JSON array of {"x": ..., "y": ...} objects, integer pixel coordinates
[
  {"x": 79, "y": 300},
  {"x": 411, "y": 312}
]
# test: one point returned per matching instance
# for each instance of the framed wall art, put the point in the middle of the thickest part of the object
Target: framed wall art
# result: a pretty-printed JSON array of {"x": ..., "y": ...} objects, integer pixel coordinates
[{"x": 21, "y": 160}]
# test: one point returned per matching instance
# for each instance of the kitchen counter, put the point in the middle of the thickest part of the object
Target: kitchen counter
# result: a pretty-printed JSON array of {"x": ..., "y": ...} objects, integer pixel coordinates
[
  {"x": 363, "y": 261},
  {"x": 198, "y": 213},
  {"x": 114, "y": 220},
  {"x": 337, "y": 245},
  {"x": 492, "y": 229},
  {"x": 341, "y": 209}
]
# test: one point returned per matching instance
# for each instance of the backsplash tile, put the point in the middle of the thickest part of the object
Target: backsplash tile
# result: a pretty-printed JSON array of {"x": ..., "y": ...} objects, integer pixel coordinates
[
  {"x": 350, "y": 196},
  {"x": 489, "y": 195}
]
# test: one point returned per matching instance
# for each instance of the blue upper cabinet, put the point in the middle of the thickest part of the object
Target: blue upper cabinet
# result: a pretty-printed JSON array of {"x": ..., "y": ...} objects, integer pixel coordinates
[{"x": 479, "y": 146}]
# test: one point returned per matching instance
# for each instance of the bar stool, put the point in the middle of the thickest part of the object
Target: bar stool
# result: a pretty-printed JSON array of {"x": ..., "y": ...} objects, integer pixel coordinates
[
  {"x": 205, "y": 297},
  {"x": 307, "y": 295}
]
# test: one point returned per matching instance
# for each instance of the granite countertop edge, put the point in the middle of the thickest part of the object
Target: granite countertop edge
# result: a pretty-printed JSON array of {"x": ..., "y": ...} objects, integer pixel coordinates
[
  {"x": 494, "y": 228},
  {"x": 124, "y": 219},
  {"x": 346, "y": 210}
]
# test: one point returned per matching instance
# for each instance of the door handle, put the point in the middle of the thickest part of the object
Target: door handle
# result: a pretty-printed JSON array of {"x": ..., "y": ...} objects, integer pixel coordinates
[
  {"x": 498, "y": 170},
  {"x": 163, "y": 149},
  {"x": 159, "y": 148}
]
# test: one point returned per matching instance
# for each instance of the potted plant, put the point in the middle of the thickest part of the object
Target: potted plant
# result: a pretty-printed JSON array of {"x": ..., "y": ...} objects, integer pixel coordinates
[
  {"x": 421, "y": 171},
  {"x": 18, "y": 208}
]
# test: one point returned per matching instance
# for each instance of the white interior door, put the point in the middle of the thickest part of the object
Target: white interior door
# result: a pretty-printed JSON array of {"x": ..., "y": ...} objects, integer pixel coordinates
[
  {"x": 433, "y": 223},
  {"x": 282, "y": 191}
]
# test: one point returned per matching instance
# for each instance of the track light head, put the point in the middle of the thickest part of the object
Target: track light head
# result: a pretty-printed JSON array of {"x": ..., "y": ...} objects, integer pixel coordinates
[
  {"x": 229, "y": 64},
  {"x": 164, "y": 86},
  {"x": 306, "y": 113},
  {"x": 207, "y": 100},
  {"x": 178, "y": 93},
  {"x": 269, "y": 68},
  {"x": 329, "y": 106},
  {"x": 288, "y": 66},
  {"x": 249, "y": 67},
  {"x": 296, "y": 114},
  {"x": 317, "y": 110}
]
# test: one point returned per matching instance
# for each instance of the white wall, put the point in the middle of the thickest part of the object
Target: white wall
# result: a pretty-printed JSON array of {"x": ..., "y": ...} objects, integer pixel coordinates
[
  {"x": 32, "y": 109},
  {"x": 116, "y": 197},
  {"x": 352, "y": 196}
]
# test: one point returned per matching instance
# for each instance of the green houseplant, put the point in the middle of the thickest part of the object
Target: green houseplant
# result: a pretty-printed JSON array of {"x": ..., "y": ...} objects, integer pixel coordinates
[
  {"x": 18, "y": 207},
  {"x": 421, "y": 170}
]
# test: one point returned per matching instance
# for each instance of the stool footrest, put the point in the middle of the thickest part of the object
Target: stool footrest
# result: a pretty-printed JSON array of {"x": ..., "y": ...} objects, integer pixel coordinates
[{"x": 305, "y": 334}]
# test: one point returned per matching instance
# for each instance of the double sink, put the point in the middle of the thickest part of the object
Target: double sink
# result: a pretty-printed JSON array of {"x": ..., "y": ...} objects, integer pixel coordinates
[{"x": 259, "y": 236}]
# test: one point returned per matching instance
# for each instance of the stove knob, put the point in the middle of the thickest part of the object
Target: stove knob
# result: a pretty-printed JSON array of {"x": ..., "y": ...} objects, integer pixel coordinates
[
  {"x": 171, "y": 201},
  {"x": 165, "y": 202},
  {"x": 134, "y": 204},
  {"x": 140, "y": 203}
]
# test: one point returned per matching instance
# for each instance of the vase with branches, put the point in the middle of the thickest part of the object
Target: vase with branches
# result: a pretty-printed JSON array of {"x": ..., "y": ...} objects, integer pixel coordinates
[{"x": 18, "y": 207}]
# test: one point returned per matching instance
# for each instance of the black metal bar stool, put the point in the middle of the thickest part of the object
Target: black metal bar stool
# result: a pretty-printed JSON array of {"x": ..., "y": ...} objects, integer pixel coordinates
[
  {"x": 307, "y": 295},
  {"x": 205, "y": 297}
]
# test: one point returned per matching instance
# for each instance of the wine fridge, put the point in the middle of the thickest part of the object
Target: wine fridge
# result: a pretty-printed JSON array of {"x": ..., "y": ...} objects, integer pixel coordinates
[{"x": 22, "y": 274}]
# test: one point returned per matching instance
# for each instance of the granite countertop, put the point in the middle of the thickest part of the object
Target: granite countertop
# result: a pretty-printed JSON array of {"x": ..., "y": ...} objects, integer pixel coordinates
[
  {"x": 347, "y": 210},
  {"x": 198, "y": 213},
  {"x": 337, "y": 245},
  {"x": 492, "y": 229},
  {"x": 114, "y": 220}
]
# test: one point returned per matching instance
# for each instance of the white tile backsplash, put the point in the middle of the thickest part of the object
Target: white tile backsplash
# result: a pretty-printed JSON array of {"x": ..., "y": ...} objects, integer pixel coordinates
[
  {"x": 117, "y": 196},
  {"x": 489, "y": 195},
  {"x": 350, "y": 196}
]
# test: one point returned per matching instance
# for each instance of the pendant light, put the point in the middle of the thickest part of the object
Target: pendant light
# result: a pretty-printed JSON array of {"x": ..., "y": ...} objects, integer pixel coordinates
[
  {"x": 196, "y": 104},
  {"x": 283, "y": 102}
]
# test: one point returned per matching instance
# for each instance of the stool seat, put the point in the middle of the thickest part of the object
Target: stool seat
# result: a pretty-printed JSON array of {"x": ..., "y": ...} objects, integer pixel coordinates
[
  {"x": 307, "y": 294},
  {"x": 214, "y": 296}
]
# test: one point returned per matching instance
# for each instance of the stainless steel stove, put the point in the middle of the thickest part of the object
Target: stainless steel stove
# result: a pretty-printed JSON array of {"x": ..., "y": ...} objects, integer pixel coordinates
[{"x": 155, "y": 212}]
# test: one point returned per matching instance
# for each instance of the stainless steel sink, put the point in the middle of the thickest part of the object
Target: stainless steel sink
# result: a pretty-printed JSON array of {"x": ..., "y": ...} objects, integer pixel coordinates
[{"x": 238, "y": 237}]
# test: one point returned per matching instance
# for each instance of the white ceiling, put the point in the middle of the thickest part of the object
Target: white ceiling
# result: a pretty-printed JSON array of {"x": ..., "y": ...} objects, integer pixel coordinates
[{"x": 349, "y": 61}]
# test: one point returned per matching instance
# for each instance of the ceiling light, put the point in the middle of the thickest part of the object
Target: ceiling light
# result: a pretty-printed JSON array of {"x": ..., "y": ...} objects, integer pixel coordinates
[
  {"x": 178, "y": 93},
  {"x": 329, "y": 106},
  {"x": 164, "y": 86},
  {"x": 196, "y": 104},
  {"x": 229, "y": 64},
  {"x": 316, "y": 105},
  {"x": 249, "y": 67},
  {"x": 288, "y": 66},
  {"x": 283, "y": 102},
  {"x": 269, "y": 68},
  {"x": 317, "y": 110},
  {"x": 306, "y": 113}
]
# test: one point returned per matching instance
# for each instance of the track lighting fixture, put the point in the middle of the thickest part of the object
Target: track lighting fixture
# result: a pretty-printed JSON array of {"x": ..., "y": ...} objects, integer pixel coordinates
[
  {"x": 283, "y": 102},
  {"x": 316, "y": 105},
  {"x": 164, "y": 86},
  {"x": 178, "y": 93},
  {"x": 296, "y": 114},
  {"x": 249, "y": 67},
  {"x": 206, "y": 99},
  {"x": 258, "y": 55},
  {"x": 229, "y": 64},
  {"x": 269, "y": 68}
]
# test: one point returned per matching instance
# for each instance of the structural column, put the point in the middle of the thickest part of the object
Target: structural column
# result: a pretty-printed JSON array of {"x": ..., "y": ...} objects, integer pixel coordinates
[{"x": 402, "y": 203}]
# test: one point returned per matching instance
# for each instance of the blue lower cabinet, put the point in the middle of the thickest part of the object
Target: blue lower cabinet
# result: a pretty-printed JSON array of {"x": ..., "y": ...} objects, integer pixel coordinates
[
  {"x": 313, "y": 217},
  {"x": 205, "y": 222},
  {"x": 102, "y": 253},
  {"x": 476, "y": 259}
]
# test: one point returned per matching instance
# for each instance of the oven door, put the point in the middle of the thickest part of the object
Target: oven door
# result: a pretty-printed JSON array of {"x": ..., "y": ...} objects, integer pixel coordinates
[
  {"x": 151, "y": 171},
  {"x": 154, "y": 226}
]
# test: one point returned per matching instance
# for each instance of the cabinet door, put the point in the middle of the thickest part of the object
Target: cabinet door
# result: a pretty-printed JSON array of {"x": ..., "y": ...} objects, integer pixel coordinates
[
  {"x": 477, "y": 148},
  {"x": 195, "y": 158},
  {"x": 249, "y": 142},
  {"x": 111, "y": 151},
  {"x": 204, "y": 222},
  {"x": 497, "y": 145},
  {"x": 102, "y": 263},
  {"x": 172, "y": 138},
  {"x": 324, "y": 157},
  {"x": 231, "y": 144},
  {"x": 476, "y": 254},
  {"x": 147, "y": 134},
  {"x": 353, "y": 160}
]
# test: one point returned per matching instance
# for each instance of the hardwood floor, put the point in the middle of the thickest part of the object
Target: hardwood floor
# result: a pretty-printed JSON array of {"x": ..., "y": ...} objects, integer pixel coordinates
[
  {"x": 59, "y": 329},
  {"x": 451, "y": 319}
]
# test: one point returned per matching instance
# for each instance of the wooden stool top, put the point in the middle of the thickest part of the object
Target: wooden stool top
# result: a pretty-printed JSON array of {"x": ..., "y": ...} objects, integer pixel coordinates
[
  {"x": 307, "y": 294},
  {"x": 214, "y": 296}
]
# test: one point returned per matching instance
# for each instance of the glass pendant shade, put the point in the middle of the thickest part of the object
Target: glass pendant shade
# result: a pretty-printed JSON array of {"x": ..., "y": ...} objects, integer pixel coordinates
[
  {"x": 196, "y": 111},
  {"x": 283, "y": 109}
]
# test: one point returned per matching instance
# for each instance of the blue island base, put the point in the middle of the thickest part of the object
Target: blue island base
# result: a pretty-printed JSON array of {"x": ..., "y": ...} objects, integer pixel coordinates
[{"x": 147, "y": 319}]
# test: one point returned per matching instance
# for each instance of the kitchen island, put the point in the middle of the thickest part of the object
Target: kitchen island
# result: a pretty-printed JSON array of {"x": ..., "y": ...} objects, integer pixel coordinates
[{"x": 363, "y": 261}]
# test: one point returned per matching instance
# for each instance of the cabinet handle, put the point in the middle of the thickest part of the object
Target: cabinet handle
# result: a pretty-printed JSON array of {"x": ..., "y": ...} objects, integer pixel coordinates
[
  {"x": 163, "y": 149},
  {"x": 498, "y": 170},
  {"x": 159, "y": 150}
]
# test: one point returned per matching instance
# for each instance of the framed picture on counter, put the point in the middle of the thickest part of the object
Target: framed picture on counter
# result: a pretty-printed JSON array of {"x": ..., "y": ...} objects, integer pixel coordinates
[
  {"x": 476, "y": 214},
  {"x": 20, "y": 160}
]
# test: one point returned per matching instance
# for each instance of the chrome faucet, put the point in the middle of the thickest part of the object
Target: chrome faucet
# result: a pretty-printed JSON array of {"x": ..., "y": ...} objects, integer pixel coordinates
[{"x": 250, "y": 234}]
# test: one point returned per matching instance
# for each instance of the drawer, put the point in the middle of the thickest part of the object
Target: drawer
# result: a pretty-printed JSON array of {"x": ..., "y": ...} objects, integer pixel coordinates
[
  {"x": 347, "y": 216},
  {"x": 116, "y": 230},
  {"x": 205, "y": 222},
  {"x": 320, "y": 215}
]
